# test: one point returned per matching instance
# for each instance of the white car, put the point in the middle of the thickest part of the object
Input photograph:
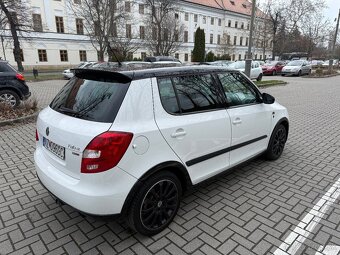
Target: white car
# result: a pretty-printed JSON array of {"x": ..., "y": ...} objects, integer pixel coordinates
[
  {"x": 131, "y": 142},
  {"x": 68, "y": 74},
  {"x": 297, "y": 67},
  {"x": 255, "y": 72}
]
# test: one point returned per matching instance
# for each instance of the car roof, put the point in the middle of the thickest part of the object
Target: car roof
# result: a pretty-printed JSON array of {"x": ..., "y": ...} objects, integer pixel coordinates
[{"x": 129, "y": 75}]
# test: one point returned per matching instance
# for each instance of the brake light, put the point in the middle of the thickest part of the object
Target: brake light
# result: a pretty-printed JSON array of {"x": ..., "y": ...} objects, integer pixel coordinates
[
  {"x": 36, "y": 135},
  {"x": 20, "y": 77},
  {"x": 105, "y": 151}
]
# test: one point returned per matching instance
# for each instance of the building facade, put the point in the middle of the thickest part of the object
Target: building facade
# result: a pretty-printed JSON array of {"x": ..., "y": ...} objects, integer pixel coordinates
[{"x": 59, "y": 38}]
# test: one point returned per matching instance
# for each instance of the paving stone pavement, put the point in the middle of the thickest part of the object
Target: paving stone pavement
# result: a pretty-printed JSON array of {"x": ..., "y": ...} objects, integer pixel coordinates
[{"x": 250, "y": 210}]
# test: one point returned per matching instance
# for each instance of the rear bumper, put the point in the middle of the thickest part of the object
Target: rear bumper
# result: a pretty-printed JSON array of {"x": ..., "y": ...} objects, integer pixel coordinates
[
  {"x": 290, "y": 72},
  {"x": 97, "y": 194}
]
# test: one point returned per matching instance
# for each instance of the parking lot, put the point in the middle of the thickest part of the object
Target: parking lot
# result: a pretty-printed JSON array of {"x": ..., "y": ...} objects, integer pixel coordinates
[{"x": 288, "y": 206}]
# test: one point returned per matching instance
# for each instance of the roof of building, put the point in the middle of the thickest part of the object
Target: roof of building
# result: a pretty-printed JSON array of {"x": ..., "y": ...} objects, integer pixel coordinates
[{"x": 238, "y": 6}]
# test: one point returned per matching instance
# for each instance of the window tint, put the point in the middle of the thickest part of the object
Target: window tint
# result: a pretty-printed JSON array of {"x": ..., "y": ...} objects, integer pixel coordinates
[
  {"x": 90, "y": 99},
  {"x": 168, "y": 96},
  {"x": 236, "y": 89},
  {"x": 5, "y": 67},
  {"x": 197, "y": 93}
]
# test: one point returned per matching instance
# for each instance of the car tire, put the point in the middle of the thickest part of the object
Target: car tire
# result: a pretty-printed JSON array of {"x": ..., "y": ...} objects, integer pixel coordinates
[
  {"x": 299, "y": 73},
  {"x": 259, "y": 78},
  {"x": 10, "y": 97},
  {"x": 155, "y": 204},
  {"x": 274, "y": 73},
  {"x": 277, "y": 143}
]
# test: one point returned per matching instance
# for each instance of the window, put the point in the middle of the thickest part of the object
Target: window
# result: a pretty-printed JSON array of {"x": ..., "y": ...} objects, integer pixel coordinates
[
  {"x": 242, "y": 25},
  {"x": 247, "y": 41},
  {"x": 42, "y": 55},
  {"x": 80, "y": 26},
  {"x": 186, "y": 57},
  {"x": 186, "y": 16},
  {"x": 142, "y": 32},
  {"x": 195, "y": 93},
  {"x": 82, "y": 55},
  {"x": 237, "y": 89},
  {"x": 248, "y": 25},
  {"x": 63, "y": 56},
  {"x": 211, "y": 38},
  {"x": 141, "y": 8},
  {"x": 236, "y": 23},
  {"x": 186, "y": 36},
  {"x": 176, "y": 16},
  {"x": 235, "y": 40},
  {"x": 228, "y": 39},
  {"x": 204, "y": 20},
  {"x": 59, "y": 21},
  {"x": 219, "y": 22},
  {"x": 195, "y": 18},
  {"x": 212, "y": 21},
  {"x": 233, "y": 57},
  {"x": 177, "y": 55},
  {"x": 218, "y": 39},
  {"x": 143, "y": 55},
  {"x": 241, "y": 40},
  {"x": 128, "y": 31},
  {"x": 229, "y": 23},
  {"x": 127, "y": 6},
  {"x": 239, "y": 57},
  {"x": 37, "y": 24}
]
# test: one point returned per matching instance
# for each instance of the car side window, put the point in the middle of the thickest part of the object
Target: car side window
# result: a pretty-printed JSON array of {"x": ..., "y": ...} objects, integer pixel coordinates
[
  {"x": 168, "y": 95},
  {"x": 197, "y": 93},
  {"x": 236, "y": 89}
]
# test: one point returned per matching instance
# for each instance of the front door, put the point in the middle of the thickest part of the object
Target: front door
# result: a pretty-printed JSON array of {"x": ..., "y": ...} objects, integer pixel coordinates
[
  {"x": 250, "y": 118},
  {"x": 190, "y": 113}
]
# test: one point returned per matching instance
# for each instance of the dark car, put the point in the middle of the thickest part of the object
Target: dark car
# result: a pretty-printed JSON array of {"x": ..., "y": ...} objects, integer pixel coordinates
[
  {"x": 273, "y": 67},
  {"x": 13, "y": 87}
]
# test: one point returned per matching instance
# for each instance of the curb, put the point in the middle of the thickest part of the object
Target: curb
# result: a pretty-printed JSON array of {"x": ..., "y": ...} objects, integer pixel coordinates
[
  {"x": 272, "y": 85},
  {"x": 19, "y": 120},
  {"x": 320, "y": 77}
]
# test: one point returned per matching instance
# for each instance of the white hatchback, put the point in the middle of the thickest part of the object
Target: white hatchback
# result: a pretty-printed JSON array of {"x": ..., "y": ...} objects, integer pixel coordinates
[{"x": 130, "y": 142}]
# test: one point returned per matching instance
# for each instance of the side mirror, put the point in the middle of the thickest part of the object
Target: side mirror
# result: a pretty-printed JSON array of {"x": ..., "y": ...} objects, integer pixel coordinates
[{"x": 268, "y": 99}]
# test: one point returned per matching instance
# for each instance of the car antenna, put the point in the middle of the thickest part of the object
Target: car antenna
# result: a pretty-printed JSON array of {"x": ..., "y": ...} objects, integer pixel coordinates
[{"x": 114, "y": 54}]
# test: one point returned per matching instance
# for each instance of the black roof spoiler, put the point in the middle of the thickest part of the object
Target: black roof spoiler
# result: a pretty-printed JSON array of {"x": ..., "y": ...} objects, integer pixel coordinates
[{"x": 102, "y": 75}]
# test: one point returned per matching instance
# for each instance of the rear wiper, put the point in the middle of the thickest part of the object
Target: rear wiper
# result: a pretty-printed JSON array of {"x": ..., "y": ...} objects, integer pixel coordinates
[{"x": 71, "y": 112}]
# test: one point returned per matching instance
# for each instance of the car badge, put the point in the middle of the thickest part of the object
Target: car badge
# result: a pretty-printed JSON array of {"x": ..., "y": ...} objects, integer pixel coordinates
[{"x": 47, "y": 131}]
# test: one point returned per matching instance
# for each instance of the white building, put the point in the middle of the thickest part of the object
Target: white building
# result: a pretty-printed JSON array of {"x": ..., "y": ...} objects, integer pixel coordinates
[{"x": 62, "y": 43}]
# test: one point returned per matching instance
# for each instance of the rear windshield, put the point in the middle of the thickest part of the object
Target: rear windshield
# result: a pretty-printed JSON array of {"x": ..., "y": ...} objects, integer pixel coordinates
[
  {"x": 92, "y": 100},
  {"x": 5, "y": 67}
]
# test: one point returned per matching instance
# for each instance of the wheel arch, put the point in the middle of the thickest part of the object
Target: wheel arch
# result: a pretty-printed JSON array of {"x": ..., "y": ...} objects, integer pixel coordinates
[
  {"x": 285, "y": 122},
  {"x": 173, "y": 166},
  {"x": 17, "y": 91}
]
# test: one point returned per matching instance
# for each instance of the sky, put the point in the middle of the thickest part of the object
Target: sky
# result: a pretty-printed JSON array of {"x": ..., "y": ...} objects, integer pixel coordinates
[{"x": 333, "y": 9}]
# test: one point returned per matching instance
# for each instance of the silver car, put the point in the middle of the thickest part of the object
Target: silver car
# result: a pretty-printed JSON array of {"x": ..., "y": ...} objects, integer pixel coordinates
[{"x": 297, "y": 67}]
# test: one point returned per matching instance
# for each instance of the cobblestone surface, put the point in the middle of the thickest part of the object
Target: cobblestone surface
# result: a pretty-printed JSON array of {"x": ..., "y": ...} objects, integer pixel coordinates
[{"x": 248, "y": 211}]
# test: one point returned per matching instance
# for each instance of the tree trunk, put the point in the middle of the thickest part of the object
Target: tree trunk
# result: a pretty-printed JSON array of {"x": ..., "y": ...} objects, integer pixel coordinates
[
  {"x": 17, "y": 50},
  {"x": 100, "y": 54}
]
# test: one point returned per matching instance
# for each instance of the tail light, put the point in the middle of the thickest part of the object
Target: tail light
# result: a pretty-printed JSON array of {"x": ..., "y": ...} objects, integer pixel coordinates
[
  {"x": 36, "y": 135},
  {"x": 105, "y": 151},
  {"x": 20, "y": 77}
]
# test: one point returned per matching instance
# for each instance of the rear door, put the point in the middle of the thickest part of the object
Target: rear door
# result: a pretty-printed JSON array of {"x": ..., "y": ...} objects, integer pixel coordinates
[
  {"x": 190, "y": 113},
  {"x": 250, "y": 119}
]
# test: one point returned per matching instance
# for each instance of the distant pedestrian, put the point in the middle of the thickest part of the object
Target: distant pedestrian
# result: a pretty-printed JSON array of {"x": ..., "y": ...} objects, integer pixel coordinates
[{"x": 35, "y": 72}]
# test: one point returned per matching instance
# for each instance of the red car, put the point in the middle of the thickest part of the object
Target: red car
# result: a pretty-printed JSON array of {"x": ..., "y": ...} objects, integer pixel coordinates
[{"x": 273, "y": 67}]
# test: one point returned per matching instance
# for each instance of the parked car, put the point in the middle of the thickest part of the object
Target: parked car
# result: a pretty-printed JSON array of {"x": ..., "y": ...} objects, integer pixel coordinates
[
  {"x": 335, "y": 63},
  {"x": 13, "y": 88},
  {"x": 131, "y": 142},
  {"x": 161, "y": 58},
  {"x": 218, "y": 63},
  {"x": 68, "y": 74},
  {"x": 272, "y": 68},
  {"x": 297, "y": 67},
  {"x": 315, "y": 63},
  {"x": 255, "y": 72}
]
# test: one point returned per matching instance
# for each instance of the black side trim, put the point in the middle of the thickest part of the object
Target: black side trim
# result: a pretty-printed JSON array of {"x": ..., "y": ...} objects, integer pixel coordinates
[{"x": 220, "y": 152}]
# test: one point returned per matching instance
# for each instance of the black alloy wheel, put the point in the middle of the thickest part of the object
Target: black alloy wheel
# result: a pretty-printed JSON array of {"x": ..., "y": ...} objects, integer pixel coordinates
[
  {"x": 277, "y": 143},
  {"x": 155, "y": 204}
]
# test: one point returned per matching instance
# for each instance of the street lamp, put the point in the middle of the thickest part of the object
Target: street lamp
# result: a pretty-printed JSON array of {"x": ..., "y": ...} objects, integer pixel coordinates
[
  {"x": 3, "y": 47},
  {"x": 249, "y": 55},
  {"x": 333, "y": 46}
]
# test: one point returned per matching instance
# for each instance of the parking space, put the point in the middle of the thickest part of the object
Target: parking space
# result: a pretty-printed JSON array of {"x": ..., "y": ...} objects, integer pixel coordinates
[{"x": 255, "y": 209}]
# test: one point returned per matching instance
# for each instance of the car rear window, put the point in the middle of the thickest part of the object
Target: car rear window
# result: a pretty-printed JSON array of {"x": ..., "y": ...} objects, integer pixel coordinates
[
  {"x": 5, "y": 68},
  {"x": 91, "y": 100}
]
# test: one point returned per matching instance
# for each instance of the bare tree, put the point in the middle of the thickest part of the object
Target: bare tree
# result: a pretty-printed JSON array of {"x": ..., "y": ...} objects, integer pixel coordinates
[
  {"x": 101, "y": 19},
  {"x": 16, "y": 16},
  {"x": 164, "y": 33},
  {"x": 225, "y": 48}
]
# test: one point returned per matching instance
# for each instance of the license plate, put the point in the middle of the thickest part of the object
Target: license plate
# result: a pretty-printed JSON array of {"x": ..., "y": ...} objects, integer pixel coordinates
[{"x": 56, "y": 149}]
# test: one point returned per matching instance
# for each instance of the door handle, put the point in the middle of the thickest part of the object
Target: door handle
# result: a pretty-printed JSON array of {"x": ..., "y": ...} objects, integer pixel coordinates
[
  {"x": 178, "y": 133},
  {"x": 237, "y": 121}
]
